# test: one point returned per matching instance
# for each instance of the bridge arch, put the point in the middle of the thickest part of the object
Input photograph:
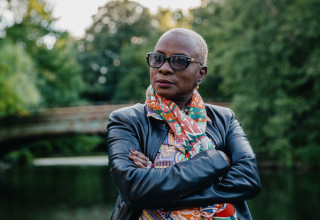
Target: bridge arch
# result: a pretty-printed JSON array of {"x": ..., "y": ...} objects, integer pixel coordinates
[{"x": 54, "y": 122}]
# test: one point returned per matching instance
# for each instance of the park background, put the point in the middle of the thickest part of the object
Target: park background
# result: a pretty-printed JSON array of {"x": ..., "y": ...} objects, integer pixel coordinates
[{"x": 263, "y": 62}]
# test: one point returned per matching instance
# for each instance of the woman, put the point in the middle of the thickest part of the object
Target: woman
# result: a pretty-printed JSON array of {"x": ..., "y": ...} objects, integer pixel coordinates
[{"x": 169, "y": 157}]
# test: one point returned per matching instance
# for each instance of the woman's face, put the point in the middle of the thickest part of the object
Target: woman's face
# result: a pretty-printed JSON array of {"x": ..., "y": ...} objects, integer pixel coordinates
[{"x": 176, "y": 85}]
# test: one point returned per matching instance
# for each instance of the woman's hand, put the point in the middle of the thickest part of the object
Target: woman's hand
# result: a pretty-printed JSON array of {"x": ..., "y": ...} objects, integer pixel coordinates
[{"x": 140, "y": 159}]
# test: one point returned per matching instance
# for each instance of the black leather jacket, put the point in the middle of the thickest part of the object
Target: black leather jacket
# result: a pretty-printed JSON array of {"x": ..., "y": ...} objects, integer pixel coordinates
[{"x": 203, "y": 180}]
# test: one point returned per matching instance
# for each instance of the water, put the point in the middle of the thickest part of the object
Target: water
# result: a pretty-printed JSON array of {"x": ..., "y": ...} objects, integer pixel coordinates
[
  {"x": 88, "y": 192},
  {"x": 56, "y": 193},
  {"x": 287, "y": 195}
]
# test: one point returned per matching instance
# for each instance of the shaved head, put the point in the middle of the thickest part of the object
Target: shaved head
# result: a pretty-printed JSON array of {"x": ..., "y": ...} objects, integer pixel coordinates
[{"x": 201, "y": 49}]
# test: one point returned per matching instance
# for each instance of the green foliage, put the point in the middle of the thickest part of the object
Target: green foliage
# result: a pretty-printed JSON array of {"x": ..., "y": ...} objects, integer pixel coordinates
[
  {"x": 134, "y": 71},
  {"x": 265, "y": 54},
  {"x": 19, "y": 158},
  {"x": 59, "y": 80},
  {"x": 208, "y": 21},
  {"x": 56, "y": 78},
  {"x": 116, "y": 25},
  {"x": 166, "y": 19},
  {"x": 134, "y": 74},
  {"x": 18, "y": 91},
  {"x": 78, "y": 144}
]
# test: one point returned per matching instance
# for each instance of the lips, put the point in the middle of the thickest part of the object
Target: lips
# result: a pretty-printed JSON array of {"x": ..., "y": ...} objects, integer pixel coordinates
[{"x": 164, "y": 83}]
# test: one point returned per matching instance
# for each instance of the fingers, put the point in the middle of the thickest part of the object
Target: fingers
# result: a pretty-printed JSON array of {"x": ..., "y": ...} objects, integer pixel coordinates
[
  {"x": 138, "y": 154},
  {"x": 139, "y": 164},
  {"x": 139, "y": 159}
]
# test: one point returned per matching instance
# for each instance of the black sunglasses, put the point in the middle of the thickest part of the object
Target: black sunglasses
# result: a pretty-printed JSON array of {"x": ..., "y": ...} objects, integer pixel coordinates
[{"x": 177, "y": 62}]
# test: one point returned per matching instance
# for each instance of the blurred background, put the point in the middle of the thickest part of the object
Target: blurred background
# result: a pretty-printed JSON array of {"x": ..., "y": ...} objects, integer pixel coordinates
[{"x": 65, "y": 65}]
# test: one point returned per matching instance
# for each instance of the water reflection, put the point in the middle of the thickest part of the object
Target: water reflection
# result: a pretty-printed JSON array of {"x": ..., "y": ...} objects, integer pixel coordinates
[
  {"x": 287, "y": 195},
  {"x": 81, "y": 193},
  {"x": 56, "y": 193}
]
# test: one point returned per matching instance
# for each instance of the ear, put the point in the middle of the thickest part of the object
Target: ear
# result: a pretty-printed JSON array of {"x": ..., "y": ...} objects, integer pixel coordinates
[{"x": 202, "y": 73}]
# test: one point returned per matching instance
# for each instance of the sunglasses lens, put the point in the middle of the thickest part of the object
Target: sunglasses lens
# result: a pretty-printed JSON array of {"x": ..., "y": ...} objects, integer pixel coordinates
[
  {"x": 179, "y": 62},
  {"x": 156, "y": 60}
]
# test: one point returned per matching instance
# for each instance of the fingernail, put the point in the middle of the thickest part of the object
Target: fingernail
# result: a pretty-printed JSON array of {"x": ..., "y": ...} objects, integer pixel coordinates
[
  {"x": 133, "y": 150},
  {"x": 131, "y": 155}
]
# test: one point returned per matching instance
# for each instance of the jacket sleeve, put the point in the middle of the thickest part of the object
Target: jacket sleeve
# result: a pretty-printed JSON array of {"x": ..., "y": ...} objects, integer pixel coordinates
[
  {"x": 241, "y": 181},
  {"x": 243, "y": 176},
  {"x": 155, "y": 188}
]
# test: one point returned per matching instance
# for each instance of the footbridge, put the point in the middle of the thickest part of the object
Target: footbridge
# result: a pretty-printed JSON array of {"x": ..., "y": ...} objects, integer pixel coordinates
[{"x": 55, "y": 122}]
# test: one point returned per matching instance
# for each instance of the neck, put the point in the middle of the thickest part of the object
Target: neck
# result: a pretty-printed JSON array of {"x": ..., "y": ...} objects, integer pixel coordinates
[{"x": 182, "y": 103}]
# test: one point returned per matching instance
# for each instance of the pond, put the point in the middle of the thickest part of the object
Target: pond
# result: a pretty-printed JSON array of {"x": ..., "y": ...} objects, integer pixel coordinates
[{"x": 88, "y": 192}]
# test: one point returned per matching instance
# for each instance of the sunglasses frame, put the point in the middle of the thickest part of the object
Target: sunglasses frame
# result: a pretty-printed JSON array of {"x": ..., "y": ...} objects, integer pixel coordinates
[{"x": 189, "y": 59}]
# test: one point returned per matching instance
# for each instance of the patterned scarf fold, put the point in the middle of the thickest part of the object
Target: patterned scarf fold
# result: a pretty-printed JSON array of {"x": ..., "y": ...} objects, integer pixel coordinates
[{"x": 190, "y": 130}]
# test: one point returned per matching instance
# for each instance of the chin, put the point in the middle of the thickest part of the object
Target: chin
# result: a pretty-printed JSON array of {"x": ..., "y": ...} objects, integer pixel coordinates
[{"x": 165, "y": 93}]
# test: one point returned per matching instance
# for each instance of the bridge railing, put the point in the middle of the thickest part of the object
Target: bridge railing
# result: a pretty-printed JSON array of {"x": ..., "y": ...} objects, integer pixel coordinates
[{"x": 56, "y": 122}]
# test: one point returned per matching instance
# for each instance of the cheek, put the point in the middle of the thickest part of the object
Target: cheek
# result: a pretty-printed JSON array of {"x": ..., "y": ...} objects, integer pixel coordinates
[
  {"x": 152, "y": 75},
  {"x": 190, "y": 78}
]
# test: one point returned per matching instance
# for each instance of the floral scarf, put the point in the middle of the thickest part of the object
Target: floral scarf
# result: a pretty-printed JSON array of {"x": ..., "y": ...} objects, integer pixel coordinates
[{"x": 190, "y": 129}]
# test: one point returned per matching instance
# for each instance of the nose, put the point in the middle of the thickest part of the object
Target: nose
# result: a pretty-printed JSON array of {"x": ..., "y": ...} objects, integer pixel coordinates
[{"x": 165, "y": 68}]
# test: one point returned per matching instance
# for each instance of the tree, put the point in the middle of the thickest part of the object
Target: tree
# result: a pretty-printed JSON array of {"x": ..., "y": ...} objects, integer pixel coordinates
[
  {"x": 166, "y": 19},
  {"x": 53, "y": 52},
  {"x": 209, "y": 21},
  {"x": 265, "y": 52},
  {"x": 135, "y": 72},
  {"x": 59, "y": 80},
  {"x": 18, "y": 90},
  {"x": 117, "y": 24}
]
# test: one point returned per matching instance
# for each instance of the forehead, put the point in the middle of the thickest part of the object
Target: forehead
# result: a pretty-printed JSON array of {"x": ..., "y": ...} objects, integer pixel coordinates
[{"x": 177, "y": 43}]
